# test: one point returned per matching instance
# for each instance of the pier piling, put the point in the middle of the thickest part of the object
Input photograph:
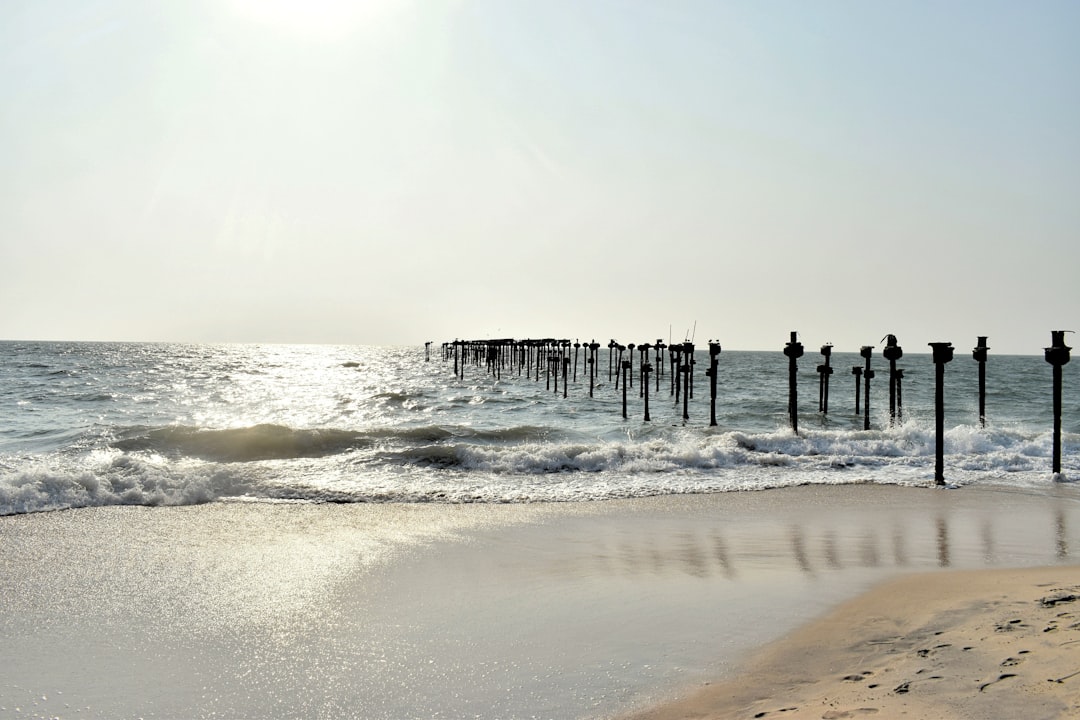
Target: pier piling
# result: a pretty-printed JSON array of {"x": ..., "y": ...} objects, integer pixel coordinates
[
  {"x": 1057, "y": 355},
  {"x": 866, "y": 351},
  {"x": 824, "y": 371},
  {"x": 714, "y": 351},
  {"x": 625, "y": 364},
  {"x": 943, "y": 353},
  {"x": 794, "y": 351},
  {"x": 892, "y": 353},
  {"x": 646, "y": 368},
  {"x": 857, "y": 372},
  {"x": 979, "y": 354}
]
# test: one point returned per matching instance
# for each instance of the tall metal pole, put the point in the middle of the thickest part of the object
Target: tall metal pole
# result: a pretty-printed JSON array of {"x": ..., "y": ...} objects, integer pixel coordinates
[
  {"x": 943, "y": 353},
  {"x": 824, "y": 370},
  {"x": 714, "y": 351},
  {"x": 892, "y": 353},
  {"x": 794, "y": 351},
  {"x": 868, "y": 374},
  {"x": 979, "y": 354},
  {"x": 1057, "y": 355}
]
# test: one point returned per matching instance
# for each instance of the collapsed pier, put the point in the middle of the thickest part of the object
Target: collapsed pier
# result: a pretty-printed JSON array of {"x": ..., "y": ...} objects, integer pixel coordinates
[{"x": 561, "y": 362}]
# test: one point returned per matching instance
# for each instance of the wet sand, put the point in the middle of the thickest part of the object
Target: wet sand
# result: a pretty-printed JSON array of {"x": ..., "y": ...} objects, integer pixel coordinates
[{"x": 586, "y": 610}]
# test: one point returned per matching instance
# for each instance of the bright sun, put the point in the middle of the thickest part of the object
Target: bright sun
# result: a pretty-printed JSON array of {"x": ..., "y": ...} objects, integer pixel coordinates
[{"x": 319, "y": 18}]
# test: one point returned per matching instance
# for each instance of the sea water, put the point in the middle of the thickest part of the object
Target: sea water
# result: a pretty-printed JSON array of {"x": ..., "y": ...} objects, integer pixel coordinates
[
  {"x": 90, "y": 424},
  {"x": 440, "y": 583}
]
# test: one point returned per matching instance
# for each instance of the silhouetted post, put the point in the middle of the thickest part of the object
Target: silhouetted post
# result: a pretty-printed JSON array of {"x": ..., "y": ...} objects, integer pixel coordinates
[
  {"x": 550, "y": 359},
  {"x": 646, "y": 368},
  {"x": 892, "y": 353},
  {"x": 675, "y": 355},
  {"x": 979, "y": 354},
  {"x": 685, "y": 370},
  {"x": 824, "y": 370},
  {"x": 943, "y": 353},
  {"x": 794, "y": 351},
  {"x": 1057, "y": 355},
  {"x": 643, "y": 350},
  {"x": 857, "y": 372},
  {"x": 618, "y": 364},
  {"x": 576, "y": 346},
  {"x": 427, "y": 351},
  {"x": 630, "y": 354},
  {"x": 610, "y": 358},
  {"x": 660, "y": 347},
  {"x": 899, "y": 394},
  {"x": 688, "y": 349},
  {"x": 565, "y": 374},
  {"x": 591, "y": 362},
  {"x": 868, "y": 374},
  {"x": 625, "y": 370},
  {"x": 714, "y": 351}
]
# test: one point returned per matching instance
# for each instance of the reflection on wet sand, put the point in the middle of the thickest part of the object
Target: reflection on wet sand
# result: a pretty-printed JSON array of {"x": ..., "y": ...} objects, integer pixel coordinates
[{"x": 943, "y": 540}]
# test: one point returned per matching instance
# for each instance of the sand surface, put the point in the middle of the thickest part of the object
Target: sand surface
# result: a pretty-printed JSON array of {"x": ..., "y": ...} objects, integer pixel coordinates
[
  {"x": 988, "y": 644},
  {"x": 576, "y": 610}
]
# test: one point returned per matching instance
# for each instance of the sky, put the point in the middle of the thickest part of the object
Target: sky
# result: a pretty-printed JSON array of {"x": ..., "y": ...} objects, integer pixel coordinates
[{"x": 399, "y": 171}]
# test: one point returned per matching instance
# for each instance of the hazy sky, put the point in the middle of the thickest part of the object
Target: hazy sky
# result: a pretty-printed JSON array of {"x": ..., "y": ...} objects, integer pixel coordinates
[{"x": 395, "y": 171}]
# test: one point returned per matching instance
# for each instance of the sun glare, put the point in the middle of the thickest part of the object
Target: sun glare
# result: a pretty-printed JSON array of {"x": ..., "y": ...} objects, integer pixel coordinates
[{"x": 317, "y": 18}]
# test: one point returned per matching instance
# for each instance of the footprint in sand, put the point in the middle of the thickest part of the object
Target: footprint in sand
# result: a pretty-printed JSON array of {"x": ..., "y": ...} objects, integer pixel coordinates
[
  {"x": 1010, "y": 661},
  {"x": 1004, "y": 676}
]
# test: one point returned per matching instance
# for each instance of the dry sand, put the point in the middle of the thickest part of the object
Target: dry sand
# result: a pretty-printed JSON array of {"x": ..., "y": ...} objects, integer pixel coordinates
[{"x": 967, "y": 644}]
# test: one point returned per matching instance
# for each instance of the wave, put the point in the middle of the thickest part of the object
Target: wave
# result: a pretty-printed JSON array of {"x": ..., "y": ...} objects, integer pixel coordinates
[
  {"x": 260, "y": 442},
  {"x": 186, "y": 465},
  {"x": 278, "y": 442}
]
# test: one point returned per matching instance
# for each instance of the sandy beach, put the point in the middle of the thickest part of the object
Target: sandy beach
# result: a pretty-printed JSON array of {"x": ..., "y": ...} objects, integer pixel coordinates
[
  {"x": 586, "y": 610},
  {"x": 968, "y": 644}
]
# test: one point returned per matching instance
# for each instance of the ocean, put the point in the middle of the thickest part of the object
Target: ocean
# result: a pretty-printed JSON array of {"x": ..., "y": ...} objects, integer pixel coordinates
[
  {"x": 93, "y": 424},
  {"x": 256, "y": 531}
]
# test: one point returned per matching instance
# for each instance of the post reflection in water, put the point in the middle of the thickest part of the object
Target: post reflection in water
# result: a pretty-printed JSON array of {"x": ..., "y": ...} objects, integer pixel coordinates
[
  {"x": 798, "y": 548},
  {"x": 869, "y": 550},
  {"x": 943, "y": 542},
  {"x": 900, "y": 556},
  {"x": 1062, "y": 541},
  {"x": 832, "y": 555},
  {"x": 989, "y": 546},
  {"x": 952, "y": 538}
]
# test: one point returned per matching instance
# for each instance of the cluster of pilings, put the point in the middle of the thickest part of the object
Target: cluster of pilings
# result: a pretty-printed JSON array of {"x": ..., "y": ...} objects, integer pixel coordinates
[{"x": 554, "y": 358}]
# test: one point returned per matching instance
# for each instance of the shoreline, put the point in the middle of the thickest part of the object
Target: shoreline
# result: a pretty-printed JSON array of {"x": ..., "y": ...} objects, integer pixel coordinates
[
  {"x": 570, "y": 610},
  {"x": 991, "y": 644}
]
